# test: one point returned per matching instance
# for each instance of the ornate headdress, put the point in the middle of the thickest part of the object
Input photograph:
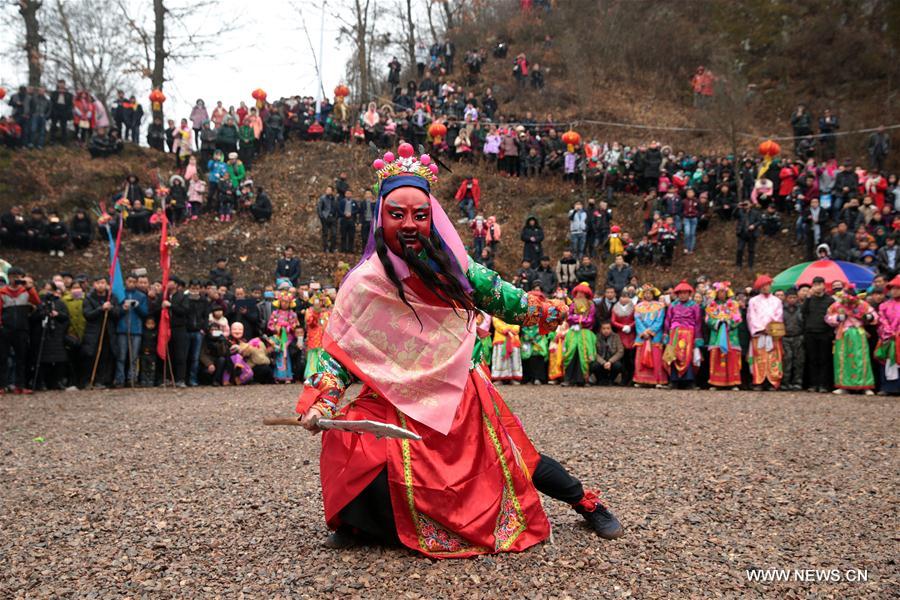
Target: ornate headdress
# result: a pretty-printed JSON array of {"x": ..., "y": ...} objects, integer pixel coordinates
[
  {"x": 405, "y": 164},
  {"x": 720, "y": 286}
]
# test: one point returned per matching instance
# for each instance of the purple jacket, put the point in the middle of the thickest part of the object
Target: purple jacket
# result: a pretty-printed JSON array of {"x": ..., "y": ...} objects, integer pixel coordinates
[{"x": 685, "y": 314}]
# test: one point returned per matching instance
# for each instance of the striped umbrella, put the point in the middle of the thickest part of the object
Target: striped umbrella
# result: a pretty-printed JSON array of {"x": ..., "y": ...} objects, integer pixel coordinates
[{"x": 830, "y": 270}]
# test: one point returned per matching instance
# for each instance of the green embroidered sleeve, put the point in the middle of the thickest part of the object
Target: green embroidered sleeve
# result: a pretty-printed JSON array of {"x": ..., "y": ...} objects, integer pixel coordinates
[
  {"x": 325, "y": 388},
  {"x": 497, "y": 297}
]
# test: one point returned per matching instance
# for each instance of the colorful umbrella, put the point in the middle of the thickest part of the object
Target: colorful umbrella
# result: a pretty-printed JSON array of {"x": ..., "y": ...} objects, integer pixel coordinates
[{"x": 830, "y": 270}]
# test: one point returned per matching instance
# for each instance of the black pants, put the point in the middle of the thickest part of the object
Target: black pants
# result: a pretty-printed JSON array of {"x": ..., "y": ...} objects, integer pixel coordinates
[
  {"x": 534, "y": 369},
  {"x": 628, "y": 366},
  {"x": 105, "y": 366},
  {"x": 348, "y": 230},
  {"x": 371, "y": 512},
  {"x": 59, "y": 123},
  {"x": 819, "y": 361},
  {"x": 750, "y": 245},
  {"x": 16, "y": 342},
  {"x": 53, "y": 374},
  {"x": 178, "y": 350},
  {"x": 329, "y": 236},
  {"x": 605, "y": 377}
]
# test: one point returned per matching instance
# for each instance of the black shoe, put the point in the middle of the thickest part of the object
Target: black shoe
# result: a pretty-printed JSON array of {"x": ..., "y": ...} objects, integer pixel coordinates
[
  {"x": 341, "y": 539},
  {"x": 604, "y": 523}
]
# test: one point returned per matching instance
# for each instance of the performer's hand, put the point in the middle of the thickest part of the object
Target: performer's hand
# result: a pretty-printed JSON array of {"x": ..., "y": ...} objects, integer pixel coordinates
[{"x": 310, "y": 419}]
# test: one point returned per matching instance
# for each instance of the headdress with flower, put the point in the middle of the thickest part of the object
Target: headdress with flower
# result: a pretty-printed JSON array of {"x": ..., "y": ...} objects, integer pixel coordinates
[
  {"x": 648, "y": 287},
  {"x": 720, "y": 286}
]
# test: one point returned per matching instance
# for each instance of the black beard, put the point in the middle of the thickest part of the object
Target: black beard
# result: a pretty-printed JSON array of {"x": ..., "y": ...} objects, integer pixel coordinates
[{"x": 441, "y": 282}]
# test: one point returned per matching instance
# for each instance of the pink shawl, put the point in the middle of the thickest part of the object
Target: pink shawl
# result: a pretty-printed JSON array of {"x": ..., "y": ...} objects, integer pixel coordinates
[{"x": 421, "y": 370}]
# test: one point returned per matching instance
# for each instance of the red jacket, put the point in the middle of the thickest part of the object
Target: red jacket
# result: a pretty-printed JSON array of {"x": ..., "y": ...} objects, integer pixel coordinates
[
  {"x": 476, "y": 191},
  {"x": 17, "y": 306}
]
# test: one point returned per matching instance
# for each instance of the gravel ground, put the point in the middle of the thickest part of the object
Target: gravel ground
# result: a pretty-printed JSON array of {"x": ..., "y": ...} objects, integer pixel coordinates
[{"x": 164, "y": 494}]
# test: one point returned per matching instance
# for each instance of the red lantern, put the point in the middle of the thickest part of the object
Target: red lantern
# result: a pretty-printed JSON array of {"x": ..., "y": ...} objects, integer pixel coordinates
[
  {"x": 2, "y": 93},
  {"x": 769, "y": 149},
  {"x": 259, "y": 95},
  {"x": 341, "y": 91},
  {"x": 437, "y": 131},
  {"x": 571, "y": 139},
  {"x": 156, "y": 100}
]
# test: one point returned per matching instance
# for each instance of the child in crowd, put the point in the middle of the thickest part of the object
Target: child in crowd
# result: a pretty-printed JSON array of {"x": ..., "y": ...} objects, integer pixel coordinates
[{"x": 148, "y": 359}]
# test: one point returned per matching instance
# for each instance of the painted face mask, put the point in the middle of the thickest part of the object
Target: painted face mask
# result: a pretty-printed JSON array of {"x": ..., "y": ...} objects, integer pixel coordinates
[{"x": 406, "y": 215}]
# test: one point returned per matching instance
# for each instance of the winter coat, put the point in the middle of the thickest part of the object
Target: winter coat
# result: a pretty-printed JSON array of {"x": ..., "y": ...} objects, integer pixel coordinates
[
  {"x": 76, "y": 315},
  {"x": 54, "y": 332},
  {"x": 533, "y": 250},
  {"x": 61, "y": 110},
  {"x": 652, "y": 163},
  {"x": 619, "y": 278},
  {"x": 17, "y": 306},
  {"x": 565, "y": 272},
  {"x": 198, "y": 116},
  {"x": 132, "y": 320},
  {"x": 92, "y": 309}
]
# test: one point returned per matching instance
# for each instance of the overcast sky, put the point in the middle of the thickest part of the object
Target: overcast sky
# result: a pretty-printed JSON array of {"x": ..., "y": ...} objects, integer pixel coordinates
[{"x": 269, "y": 51}]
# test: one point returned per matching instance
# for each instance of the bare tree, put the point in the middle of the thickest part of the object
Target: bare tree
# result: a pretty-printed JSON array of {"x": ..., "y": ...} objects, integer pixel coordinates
[
  {"x": 170, "y": 35},
  {"x": 33, "y": 39},
  {"x": 359, "y": 27},
  {"x": 409, "y": 31},
  {"x": 727, "y": 112},
  {"x": 85, "y": 46}
]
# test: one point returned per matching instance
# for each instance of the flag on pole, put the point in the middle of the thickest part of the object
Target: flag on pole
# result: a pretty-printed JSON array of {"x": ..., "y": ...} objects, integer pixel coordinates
[
  {"x": 116, "y": 283},
  {"x": 165, "y": 326}
]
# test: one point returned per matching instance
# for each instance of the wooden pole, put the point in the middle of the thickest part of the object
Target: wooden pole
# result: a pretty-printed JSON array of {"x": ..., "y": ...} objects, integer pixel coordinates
[{"x": 99, "y": 348}]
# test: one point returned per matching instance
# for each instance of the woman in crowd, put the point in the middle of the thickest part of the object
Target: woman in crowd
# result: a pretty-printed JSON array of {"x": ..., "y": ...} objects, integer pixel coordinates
[
  {"x": 580, "y": 341},
  {"x": 723, "y": 315},
  {"x": 649, "y": 321}
]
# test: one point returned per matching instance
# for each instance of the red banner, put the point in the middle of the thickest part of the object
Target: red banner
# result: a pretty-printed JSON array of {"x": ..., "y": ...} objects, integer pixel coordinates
[{"x": 165, "y": 327}]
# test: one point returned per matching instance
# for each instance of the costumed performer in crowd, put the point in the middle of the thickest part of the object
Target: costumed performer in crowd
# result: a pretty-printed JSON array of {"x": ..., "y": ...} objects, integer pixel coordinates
[
  {"x": 723, "y": 315},
  {"x": 888, "y": 349},
  {"x": 849, "y": 316},
  {"x": 580, "y": 342},
  {"x": 683, "y": 335}
]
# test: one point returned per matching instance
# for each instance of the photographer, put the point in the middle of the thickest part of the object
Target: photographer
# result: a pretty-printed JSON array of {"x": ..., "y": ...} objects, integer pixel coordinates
[
  {"x": 128, "y": 332},
  {"x": 18, "y": 299},
  {"x": 51, "y": 322}
]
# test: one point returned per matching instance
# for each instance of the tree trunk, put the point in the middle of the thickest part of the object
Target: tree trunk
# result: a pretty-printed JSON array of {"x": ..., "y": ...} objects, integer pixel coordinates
[
  {"x": 158, "y": 76},
  {"x": 434, "y": 35},
  {"x": 28, "y": 9},
  {"x": 410, "y": 38},
  {"x": 362, "y": 54}
]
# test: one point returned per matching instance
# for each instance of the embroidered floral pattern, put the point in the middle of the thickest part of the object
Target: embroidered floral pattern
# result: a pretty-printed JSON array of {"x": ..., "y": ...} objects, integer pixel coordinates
[{"x": 433, "y": 537}]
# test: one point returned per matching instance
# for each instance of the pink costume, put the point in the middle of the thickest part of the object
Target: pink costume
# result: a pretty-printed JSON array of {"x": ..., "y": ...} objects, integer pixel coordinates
[{"x": 765, "y": 350}]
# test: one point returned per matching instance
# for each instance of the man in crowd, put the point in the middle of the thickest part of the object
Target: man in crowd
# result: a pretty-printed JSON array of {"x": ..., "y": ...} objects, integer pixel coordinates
[
  {"x": 327, "y": 210},
  {"x": 101, "y": 311},
  {"x": 347, "y": 211},
  {"x": 130, "y": 326},
  {"x": 61, "y": 107},
  {"x": 619, "y": 274},
  {"x": 608, "y": 364},
  {"x": 747, "y": 230},
  {"x": 766, "y": 323},
  {"x": 19, "y": 300},
  {"x": 288, "y": 266},
  {"x": 818, "y": 337}
]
